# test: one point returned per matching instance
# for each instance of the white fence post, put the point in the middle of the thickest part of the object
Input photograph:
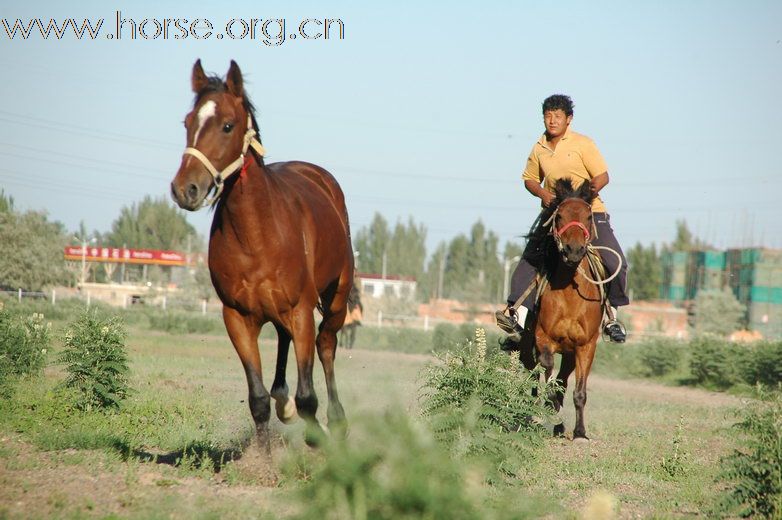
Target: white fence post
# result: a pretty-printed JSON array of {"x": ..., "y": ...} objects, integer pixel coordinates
[
  {"x": 379, "y": 318},
  {"x": 54, "y": 297},
  {"x": 88, "y": 298},
  {"x": 125, "y": 301},
  {"x": 426, "y": 322},
  {"x": 164, "y": 302},
  {"x": 203, "y": 307},
  {"x": 20, "y": 295}
]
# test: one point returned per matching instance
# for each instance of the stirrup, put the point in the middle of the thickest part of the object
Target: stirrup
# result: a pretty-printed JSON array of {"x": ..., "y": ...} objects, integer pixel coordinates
[
  {"x": 509, "y": 323},
  {"x": 614, "y": 331}
]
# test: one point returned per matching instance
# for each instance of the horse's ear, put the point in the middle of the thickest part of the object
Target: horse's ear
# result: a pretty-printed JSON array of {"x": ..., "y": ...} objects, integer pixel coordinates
[
  {"x": 585, "y": 191},
  {"x": 198, "y": 80},
  {"x": 233, "y": 80},
  {"x": 563, "y": 189}
]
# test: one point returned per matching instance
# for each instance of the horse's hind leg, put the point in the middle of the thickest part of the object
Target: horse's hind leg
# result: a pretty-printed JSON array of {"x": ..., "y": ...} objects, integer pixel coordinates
[
  {"x": 303, "y": 331},
  {"x": 283, "y": 402},
  {"x": 243, "y": 331},
  {"x": 334, "y": 311},
  {"x": 584, "y": 357}
]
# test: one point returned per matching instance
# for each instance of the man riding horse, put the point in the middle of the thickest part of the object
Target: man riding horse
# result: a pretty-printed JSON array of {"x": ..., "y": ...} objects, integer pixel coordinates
[{"x": 561, "y": 153}]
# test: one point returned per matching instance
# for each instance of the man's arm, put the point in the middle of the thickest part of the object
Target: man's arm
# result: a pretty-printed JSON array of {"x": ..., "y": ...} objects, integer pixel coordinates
[
  {"x": 539, "y": 191},
  {"x": 598, "y": 183}
]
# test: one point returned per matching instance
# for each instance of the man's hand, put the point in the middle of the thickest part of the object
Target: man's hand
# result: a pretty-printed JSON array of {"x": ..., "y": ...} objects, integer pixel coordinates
[{"x": 547, "y": 197}]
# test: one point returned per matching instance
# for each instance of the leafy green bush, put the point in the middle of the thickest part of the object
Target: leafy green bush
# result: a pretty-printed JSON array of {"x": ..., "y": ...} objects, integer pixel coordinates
[
  {"x": 446, "y": 336},
  {"x": 481, "y": 403},
  {"x": 391, "y": 468},
  {"x": 96, "y": 362},
  {"x": 661, "y": 357},
  {"x": 717, "y": 312},
  {"x": 764, "y": 366},
  {"x": 716, "y": 363},
  {"x": 24, "y": 343},
  {"x": 176, "y": 322},
  {"x": 755, "y": 470}
]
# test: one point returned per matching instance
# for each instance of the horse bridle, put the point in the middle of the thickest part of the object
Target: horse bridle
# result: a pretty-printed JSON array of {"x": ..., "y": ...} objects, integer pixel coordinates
[
  {"x": 557, "y": 233},
  {"x": 219, "y": 177}
]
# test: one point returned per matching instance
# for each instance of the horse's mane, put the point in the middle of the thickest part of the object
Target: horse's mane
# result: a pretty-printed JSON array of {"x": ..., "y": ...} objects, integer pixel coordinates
[
  {"x": 215, "y": 84},
  {"x": 540, "y": 243}
]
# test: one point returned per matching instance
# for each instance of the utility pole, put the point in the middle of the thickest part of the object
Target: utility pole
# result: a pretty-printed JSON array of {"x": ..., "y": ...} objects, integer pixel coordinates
[{"x": 440, "y": 277}]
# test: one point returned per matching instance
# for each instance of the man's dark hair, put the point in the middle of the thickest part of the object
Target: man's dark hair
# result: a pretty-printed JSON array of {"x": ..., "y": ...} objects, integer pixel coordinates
[{"x": 558, "y": 102}]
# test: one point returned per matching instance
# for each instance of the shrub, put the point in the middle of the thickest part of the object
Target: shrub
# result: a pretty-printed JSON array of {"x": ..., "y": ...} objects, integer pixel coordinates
[
  {"x": 392, "y": 468},
  {"x": 24, "y": 342},
  {"x": 717, "y": 312},
  {"x": 765, "y": 364},
  {"x": 755, "y": 470},
  {"x": 716, "y": 363},
  {"x": 481, "y": 403},
  {"x": 660, "y": 357},
  {"x": 183, "y": 322},
  {"x": 96, "y": 362}
]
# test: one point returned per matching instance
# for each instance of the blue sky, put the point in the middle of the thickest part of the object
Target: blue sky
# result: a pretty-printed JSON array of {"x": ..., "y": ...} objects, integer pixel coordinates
[{"x": 421, "y": 110}]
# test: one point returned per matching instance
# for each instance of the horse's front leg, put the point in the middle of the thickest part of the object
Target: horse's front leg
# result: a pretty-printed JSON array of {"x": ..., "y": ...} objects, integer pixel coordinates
[
  {"x": 243, "y": 331},
  {"x": 565, "y": 369},
  {"x": 584, "y": 357},
  {"x": 546, "y": 359}
]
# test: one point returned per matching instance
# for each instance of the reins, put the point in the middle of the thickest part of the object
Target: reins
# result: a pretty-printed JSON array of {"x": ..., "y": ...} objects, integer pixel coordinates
[
  {"x": 219, "y": 177},
  {"x": 593, "y": 258}
]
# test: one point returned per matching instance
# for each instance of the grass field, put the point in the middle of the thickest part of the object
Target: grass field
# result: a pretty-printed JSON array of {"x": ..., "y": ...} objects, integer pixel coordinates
[{"x": 179, "y": 447}]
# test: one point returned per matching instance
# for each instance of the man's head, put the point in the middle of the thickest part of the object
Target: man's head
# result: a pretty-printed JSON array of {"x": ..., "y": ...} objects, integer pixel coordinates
[{"x": 557, "y": 114}]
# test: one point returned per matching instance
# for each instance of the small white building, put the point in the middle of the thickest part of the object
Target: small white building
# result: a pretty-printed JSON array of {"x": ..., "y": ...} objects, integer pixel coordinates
[{"x": 377, "y": 286}]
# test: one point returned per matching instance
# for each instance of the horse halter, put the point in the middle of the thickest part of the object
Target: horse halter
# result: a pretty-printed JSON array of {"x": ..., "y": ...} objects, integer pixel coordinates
[
  {"x": 557, "y": 233},
  {"x": 220, "y": 176}
]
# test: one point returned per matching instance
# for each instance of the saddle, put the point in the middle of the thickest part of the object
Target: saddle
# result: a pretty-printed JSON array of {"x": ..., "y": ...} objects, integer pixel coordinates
[{"x": 506, "y": 319}]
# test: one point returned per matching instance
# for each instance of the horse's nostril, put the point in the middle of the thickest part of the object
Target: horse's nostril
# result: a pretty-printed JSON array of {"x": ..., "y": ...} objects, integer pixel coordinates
[{"x": 192, "y": 192}]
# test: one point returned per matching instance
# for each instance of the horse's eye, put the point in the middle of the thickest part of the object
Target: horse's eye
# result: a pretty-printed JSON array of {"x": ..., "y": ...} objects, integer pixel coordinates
[{"x": 228, "y": 127}]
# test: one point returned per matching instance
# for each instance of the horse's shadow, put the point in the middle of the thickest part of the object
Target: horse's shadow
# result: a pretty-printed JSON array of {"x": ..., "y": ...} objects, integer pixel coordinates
[{"x": 194, "y": 454}]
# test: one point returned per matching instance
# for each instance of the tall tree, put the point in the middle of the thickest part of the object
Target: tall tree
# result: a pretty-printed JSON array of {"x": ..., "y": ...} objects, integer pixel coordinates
[
  {"x": 407, "y": 249},
  {"x": 473, "y": 271},
  {"x": 645, "y": 275},
  {"x": 153, "y": 224},
  {"x": 30, "y": 249},
  {"x": 372, "y": 244}
]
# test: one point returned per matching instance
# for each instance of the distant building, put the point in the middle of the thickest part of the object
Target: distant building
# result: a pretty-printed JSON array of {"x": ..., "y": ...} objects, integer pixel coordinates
[
  {"x": 754, "y": 275},
  {"x": 377, "y": 286}
]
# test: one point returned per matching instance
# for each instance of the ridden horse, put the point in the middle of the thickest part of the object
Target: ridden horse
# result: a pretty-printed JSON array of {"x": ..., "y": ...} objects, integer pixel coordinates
[
  {"x": 279, "y": 247},
  {"x": 570, "y": 309}
]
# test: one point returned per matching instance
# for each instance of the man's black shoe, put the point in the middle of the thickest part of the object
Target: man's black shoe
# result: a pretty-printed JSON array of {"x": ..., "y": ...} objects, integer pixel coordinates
[{"x": 615, "y": 332}]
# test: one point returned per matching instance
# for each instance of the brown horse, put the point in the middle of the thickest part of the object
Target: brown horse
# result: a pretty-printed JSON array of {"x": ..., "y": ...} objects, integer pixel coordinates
[
  {"x": 279, "y": 247},
  {"x": 570, "y": 312}
]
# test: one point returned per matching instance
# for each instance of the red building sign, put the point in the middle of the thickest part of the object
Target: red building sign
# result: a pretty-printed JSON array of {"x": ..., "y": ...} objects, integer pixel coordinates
[{"x": 121, "y": 255}]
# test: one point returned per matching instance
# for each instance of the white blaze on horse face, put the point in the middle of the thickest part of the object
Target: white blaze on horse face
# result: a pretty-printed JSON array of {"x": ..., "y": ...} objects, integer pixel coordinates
[{"x": 206, "y": 111}]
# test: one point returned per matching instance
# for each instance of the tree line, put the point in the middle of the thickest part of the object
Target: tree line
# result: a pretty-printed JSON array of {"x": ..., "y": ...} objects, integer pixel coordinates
[
  {"x": 31, "y": 245},
  {"x": 471, "y": 267}
]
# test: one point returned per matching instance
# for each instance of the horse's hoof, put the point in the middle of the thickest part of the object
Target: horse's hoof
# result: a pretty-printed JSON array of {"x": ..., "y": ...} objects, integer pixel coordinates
[
  {"x": 315, "y": 435},
  {"x": 559, "y": 430},
  {"x": 581, "y": 440},
  {"x": 286, "y": 410}
]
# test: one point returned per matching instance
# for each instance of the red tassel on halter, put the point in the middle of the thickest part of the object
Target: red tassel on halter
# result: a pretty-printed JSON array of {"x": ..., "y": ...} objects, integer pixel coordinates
[{"x": 247, "y": 161}]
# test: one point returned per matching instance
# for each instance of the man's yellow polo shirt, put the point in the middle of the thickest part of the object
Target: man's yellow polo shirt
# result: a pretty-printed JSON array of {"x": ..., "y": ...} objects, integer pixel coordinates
[{"x": 576, "y": 157}]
